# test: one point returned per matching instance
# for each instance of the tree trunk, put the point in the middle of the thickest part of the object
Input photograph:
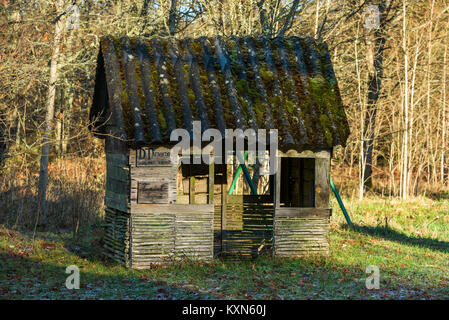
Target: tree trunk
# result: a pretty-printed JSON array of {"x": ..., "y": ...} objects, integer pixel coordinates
[
  {"x": 412, "y": 119},
  {"x": 429, "y": 122},
  {"x": 317, "y": 16},
  {"x": 443, "y": 133},
  {"x": 374, "y": 85},
  {"x": 173, "y": 17},
  {"x": 406, "y": 121},
  {"x": 43, "y": 174}
]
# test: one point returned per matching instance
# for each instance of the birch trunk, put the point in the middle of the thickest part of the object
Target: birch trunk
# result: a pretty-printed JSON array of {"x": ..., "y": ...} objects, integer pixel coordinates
[
  {"x": 406, "y": 124},
  {"x": 362, "y": 106},
  {"x": 428, "y": 125},
  {"x": 412, "y": 116},
  {"x": 443, "y": 133},
  {"x": 317, "y": 16}
]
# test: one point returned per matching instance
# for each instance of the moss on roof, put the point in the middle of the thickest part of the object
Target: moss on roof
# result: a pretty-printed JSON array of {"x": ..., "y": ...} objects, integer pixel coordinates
[{"x": 295, "y": 87}]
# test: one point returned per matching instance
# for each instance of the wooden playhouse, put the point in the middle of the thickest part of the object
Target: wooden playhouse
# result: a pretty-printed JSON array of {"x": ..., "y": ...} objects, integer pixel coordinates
[{"x": 158, "y": 210}]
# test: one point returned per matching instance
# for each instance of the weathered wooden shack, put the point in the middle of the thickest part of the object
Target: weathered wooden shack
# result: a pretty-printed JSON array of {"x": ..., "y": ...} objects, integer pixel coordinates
[{"x": 157, "y": 210}]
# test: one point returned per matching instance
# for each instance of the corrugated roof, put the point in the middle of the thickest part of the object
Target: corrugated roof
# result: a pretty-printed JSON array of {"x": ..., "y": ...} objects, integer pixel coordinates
[{"x": 147, "y": 88}]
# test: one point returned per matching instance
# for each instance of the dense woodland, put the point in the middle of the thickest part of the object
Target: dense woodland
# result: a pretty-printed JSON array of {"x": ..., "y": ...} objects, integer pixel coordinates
[{"x": 392, "y": 73}]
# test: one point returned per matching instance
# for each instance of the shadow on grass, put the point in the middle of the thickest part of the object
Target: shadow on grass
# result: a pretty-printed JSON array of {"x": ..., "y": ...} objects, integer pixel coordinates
[
  {"x": 24, "y": 277},
  {"x": 390, "y": 234}
]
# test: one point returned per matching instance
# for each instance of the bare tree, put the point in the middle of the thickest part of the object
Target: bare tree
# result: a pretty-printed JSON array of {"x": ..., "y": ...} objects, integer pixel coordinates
[
  {"x": 50, "y": 110},
  {"x": 276, "y": 17},
  {"x": 172, "y": 17},
  {"x": 377, "y": 45}
]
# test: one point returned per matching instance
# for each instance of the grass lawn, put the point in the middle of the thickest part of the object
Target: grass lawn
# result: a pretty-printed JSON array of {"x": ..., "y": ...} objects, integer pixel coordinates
[{"x": 408, "y": 241}]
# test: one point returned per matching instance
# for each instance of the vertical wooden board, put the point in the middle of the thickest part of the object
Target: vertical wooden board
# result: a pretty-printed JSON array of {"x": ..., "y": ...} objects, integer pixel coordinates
[
  {"x": 192, "y": 190},
  {"x": 116, "y": 201},
  {"x": 117, "y": 186},
  {"x": 224, "y": 190},
  {"x": 277, "y": 184},
  {"x": 117, "y": 172},
  {"x": 117, "y": 159},
  {"x": 210, "y": 186},
  {"x": 117, "y": 175},
  {"x": 322, "y": 168},
  {"x": 277, "y": 191}
]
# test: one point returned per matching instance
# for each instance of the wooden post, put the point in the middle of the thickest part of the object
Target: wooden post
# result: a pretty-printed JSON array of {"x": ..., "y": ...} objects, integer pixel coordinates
[
  {"x": 276, "y": 196},
  {"x": 192, "y": 190},
  {"x": 322, "y": 167},
  {"x": 277, "y": 185},
  {"x": 211, "y": 180},
  {"x": 223, "y": 208}
]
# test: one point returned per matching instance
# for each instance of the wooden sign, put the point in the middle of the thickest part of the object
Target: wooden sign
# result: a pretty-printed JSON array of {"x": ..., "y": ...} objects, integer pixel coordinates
[
  {"x": 151, "y": 157},
  {"x": 152, "y": 192}
]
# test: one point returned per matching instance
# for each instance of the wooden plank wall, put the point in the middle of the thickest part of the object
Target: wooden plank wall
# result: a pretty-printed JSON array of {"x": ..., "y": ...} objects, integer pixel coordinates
[
  {"x": 194, "y": 232},
  {"x": 152, "y": 237},
  {"x": 304, "y": 231},
  {"x": 322, "y": 186},
  {"x": 117, "y": 174},
  {"x": 139, "y": 234},
  {"x": 301, "y": 231},
  {"x": 161, "y": 233},
  {"x": 116, "y": 236},
  {"x": 152, "y": 183},
  {"x": 248, "y": 229}
]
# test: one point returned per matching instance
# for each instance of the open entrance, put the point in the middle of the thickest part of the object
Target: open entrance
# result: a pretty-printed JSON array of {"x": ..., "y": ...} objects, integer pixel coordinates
[
  {"x": 297, "y": 182},
  {"x": 243, "y": 204},
  {"x": 246, "y": 211}
]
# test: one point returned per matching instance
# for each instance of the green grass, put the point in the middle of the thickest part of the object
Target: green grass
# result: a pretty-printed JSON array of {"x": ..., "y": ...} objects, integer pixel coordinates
[{"x": 408, "y": 241}]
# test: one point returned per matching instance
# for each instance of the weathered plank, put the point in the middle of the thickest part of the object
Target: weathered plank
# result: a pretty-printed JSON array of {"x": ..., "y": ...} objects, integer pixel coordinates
[
  {"x": 170, "y": 209},
  {"x": 116, "y": 201},
  {"x": 116, "y": 236},
  {"x": 153, "y": 184},
  {"x": 150, "y": 157},
  {"x": 210, "y": 183},
  {"x": 302, "y": 212},
  {"x": 152, "y": 192},
  {"x": 305, "y": 154},
  {"x": 298, "y": 236},
  {"x": 162, "y": 233},
  {"x": 322, "y": 167}
]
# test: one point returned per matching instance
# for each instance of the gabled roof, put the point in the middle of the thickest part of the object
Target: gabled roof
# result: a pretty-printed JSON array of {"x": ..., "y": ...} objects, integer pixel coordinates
[{"x": 145, "y": 88}]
